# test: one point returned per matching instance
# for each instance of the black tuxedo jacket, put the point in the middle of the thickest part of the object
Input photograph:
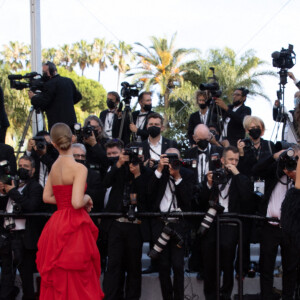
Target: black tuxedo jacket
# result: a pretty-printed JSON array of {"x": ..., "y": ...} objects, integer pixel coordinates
[
  {"x": 31, "y": 200},
  {"x": 58, "y": 99},
  {"x": 235, "y": 130},
  {"x": 143, "y": 131},
  {"x": 166, "y": 144},
  {"x": 240, "y": 195},
  {"x": 195, "y": 119},
  {"x": 4, "y": 123},
  {"x": 193, "y": 154},
  {"x": 116, "y": 123},
  {"x": 183, "y": 191},
  {"x": 267, "y": 169}
]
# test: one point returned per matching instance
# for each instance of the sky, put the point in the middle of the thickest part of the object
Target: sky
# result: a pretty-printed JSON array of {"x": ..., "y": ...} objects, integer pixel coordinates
[{"x": 263, "y": 25}]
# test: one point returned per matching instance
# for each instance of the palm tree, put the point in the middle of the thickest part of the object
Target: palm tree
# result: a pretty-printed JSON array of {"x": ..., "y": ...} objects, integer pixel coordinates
[
  {"x": 120, "y": 56},
  {"x": 83, "y": 50},
  {"x": 65, "y": 56},
  {"x": 163, "y": 65},
  {"x": 101, "y": 52},
  {"x": 233, "y": 72},
  {"x": 17, "y": 55},
  {"x": 51, "y": 54}
]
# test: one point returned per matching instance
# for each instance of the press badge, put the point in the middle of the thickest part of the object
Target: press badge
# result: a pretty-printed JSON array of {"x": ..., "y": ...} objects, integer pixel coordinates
[{"x": 259, "y": 186}]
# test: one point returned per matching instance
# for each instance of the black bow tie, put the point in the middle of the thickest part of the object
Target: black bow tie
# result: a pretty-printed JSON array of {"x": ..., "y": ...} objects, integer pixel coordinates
[{"x": 202, "y": 152}]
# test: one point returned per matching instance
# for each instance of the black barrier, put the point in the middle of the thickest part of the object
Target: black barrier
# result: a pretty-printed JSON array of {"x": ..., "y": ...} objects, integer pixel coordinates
[{"x": 222, "y": 218}]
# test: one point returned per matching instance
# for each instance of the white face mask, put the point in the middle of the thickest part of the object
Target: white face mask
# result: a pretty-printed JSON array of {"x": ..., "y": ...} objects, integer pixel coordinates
[{"x": 296, "y": 102}]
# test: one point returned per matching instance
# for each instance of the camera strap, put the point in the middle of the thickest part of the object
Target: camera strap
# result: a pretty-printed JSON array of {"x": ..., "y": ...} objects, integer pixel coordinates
[
  {"x": 151, "y": 149},
  {"x": 173, "y": 201}
]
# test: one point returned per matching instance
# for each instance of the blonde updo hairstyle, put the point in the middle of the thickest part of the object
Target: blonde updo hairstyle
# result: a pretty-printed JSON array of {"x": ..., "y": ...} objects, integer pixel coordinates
[
  {"x": 61, "y": 135},
  {"x": 248, "y": 120}
]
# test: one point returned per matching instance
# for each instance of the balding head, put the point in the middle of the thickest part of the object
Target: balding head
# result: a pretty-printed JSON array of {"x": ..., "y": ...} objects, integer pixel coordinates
[
  {"x": 201, "y": 132},
  {"x": 173, "y": 150}
]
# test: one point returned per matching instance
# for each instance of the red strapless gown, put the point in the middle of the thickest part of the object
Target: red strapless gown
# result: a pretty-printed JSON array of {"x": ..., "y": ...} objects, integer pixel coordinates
[{"x": 68, "y": 259}]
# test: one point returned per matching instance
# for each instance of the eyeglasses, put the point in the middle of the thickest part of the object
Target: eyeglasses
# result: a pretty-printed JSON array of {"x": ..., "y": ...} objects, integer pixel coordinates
[
  {"x": 79, "y": 155},
  {"x": 236, "y": 94}
]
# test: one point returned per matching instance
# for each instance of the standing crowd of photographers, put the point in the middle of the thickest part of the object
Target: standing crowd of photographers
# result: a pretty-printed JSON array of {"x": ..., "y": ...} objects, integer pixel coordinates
[{"x": 228, "y": 168}]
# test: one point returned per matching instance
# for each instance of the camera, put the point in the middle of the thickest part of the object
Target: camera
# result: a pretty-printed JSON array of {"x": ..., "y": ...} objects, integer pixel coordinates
[
  {"x": 165, "y": 236},
  {"x": 40, "y": 142},
  {"x": 212, "y": 86},
  {"x": 220, "y": 176},
  {"x": 133, "y": 152},
  {"x": 129, "y": 90},
  {"x": 5, "y": 172},
  {"x": 174, "y": 161},
  {"x": 248, "y": 143},
  {"x": 215, "y": 161},
  {"x": 189, "y": 163},
  {"x": 287, "y": 160},
  {"x": 35, "y": 85},
  {"x": 209, "y": 216},
  {"x": 285, "y": 59},
  {"x": 84, "y": 132}
]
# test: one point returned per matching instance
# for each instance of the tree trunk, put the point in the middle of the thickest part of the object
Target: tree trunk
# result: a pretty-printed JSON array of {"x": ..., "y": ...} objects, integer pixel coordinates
[
  {"x": 166, "y": 104},
  {"x": 99, "y": 76},
  {"x": 118, "y": 82}
]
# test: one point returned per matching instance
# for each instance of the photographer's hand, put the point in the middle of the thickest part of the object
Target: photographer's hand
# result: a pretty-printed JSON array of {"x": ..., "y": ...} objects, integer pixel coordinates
[
  {"x": 277, "y": 103},
  {"x": 133, "y": 128},
  {"x": 241, "y": 146},
  {"x": 8, "y": 187},
  {"x": 291, "y": 75},
  {"x": 135, "y": 170},
  {"x": 277, "y": 154},
  {"x": 30, "y": 145},
  {"x": 209, "y": 176},
  {"x": 2, "y": 188},
  {"x": 122, "y": 159},
  {"x": 232, "y": 169},
  {"x": 164, "y": 161},
  {"x": 221, "y": 103},
  {"x": 91, "y": 140}
]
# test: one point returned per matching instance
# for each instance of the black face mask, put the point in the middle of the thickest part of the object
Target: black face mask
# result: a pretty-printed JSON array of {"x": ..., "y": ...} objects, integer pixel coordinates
[
  {"x": 112, "y": 160},
  {"x": 203, "y": 105},
  {"x": 81, "y": 161},
  {"x": 110, "y": 104},
  {"x": 237, "y": 103},
  {"x": 255, "y": 133},
  {"x": 147, "y": 107},
  {"x": 23, "y": 174},
  {"x": 202, "y": 144},
  {"x": 153, "y": 131}
]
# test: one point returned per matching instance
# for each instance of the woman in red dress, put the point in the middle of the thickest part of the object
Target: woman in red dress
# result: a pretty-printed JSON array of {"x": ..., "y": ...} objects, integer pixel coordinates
[{"x": 68, "y": 258}]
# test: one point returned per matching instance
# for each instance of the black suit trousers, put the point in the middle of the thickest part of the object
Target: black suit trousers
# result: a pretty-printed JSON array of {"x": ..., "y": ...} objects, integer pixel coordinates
[
  {"x": 272, "y": 237},
  {"x": 172, "y": 257},
  {"x": 124, "y": 255},
  {"x": 228, "y": 244}
]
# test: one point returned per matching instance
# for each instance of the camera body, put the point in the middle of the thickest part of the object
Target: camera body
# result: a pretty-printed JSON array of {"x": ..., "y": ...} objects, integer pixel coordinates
[
  {"x": 5, "y": 172},
  {"x": 133, "y": 152},
  {"x": 40, "y": 142},
  {"x": 284, "y": 59},
  {"x": 129, "y": 90},
  {"x": 287, "y": 160},
  {"x": 212, "y": 86},
  {"x": 174, "y": 160},
  {"x": 84, "y": 132},
  {"x": 248, "y": 143}
]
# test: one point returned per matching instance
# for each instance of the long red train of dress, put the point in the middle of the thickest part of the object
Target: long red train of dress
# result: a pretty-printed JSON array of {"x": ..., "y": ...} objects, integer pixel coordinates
[{"x": 68, "y": 259}]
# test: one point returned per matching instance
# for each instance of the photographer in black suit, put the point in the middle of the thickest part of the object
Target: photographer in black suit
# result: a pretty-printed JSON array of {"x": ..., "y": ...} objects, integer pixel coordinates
[
  {"x": 58, "y": 97},
  {"x": 233, "y": 193},
  {"x": 128, "y": 180},
  {"x": 4, "y": 123},
  {"x": 233, "y": 116},
  {"x": 171, "y": 190},
  {"x": 203, "y": 116},
  {"x": 279, "y": 178},
  {"x": 44, "y": 155},
  {"x": 22, "y": 234},
  {"x": 139, "y": 125},
  {"x": 110, "y": 116},
  {"x": 156, "y": 144}
]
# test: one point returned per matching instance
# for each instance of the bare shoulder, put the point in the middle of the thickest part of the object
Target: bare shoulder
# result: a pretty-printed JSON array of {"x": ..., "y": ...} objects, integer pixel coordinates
[{"x": 80, "y": 169}]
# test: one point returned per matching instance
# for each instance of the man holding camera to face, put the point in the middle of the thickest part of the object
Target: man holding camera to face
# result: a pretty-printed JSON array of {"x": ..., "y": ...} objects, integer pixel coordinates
[
  {"x": 44, "y": 155},
  {"x": 279, "y": 172},
  {"x": 57, "y": 98},
  {"x": 171, "y": 191},
  {"x": 127, "y": 179},
  {"x": 226, "y": 190},
  {"x": 19, "y": 248}
]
